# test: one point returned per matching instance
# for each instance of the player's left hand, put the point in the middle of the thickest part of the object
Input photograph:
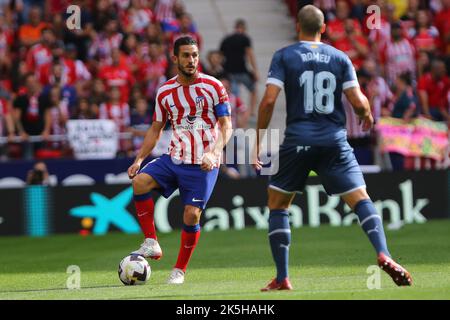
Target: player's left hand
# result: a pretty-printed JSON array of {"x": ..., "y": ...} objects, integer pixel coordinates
[
  {"x": 209, "y": 161},
  {"x": 367, "y": 122}
]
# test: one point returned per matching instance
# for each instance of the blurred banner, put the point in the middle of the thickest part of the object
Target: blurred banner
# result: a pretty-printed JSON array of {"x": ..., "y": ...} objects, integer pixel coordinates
[
  {"x": 418, "y": 138},
  {"x": 93, "y": 139},
  {"x": 402, "y": 198}
]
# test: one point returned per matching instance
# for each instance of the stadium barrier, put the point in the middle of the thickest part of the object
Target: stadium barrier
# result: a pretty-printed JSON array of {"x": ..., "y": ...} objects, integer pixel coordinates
[{"x": 404, "y": 197}]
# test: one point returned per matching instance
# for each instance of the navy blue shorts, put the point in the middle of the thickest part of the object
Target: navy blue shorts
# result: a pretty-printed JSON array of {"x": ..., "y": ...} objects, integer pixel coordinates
[
  {"x": 195, "y": 184},
  {"x": 336, "y": 166}
]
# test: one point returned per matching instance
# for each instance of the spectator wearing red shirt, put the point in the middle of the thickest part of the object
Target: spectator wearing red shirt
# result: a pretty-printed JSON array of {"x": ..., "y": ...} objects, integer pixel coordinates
[
  {"x": 336, "y": 28},
  {"x": 425, "y": 36},
  {"x": 41, "y": 53},
  {"x": 133, "y": 53},
  {"x": 433, "y": 89},
  {"x": 82, "y": 74},
  {"x": 354, "y": 44},
  {"x": 153, "y": 70},
  {"x": 69, "y": 74},
  {"x": 55, "y": 7},
  {"x": 442, "y": 22},
  {"x": 117, "y": 75}
]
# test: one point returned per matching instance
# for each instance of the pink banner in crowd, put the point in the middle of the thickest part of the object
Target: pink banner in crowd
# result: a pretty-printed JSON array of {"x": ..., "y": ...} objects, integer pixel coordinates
[{"x": 419, "y": 138}]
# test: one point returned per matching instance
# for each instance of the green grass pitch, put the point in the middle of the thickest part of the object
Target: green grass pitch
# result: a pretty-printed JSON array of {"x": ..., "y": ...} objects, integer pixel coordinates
[{"x": 325, "y": 263}]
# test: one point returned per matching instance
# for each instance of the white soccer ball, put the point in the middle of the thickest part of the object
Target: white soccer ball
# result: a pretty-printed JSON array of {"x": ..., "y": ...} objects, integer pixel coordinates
[{"x": 134, "y": 269}]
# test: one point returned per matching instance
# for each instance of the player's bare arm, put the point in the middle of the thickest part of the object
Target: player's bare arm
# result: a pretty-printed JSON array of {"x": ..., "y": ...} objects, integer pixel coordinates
[
  {"x": 151, "y": 138},
  {"x": 361, "y": 106},
  {"x": 211, "y": 159},
  {"x": 265, "y": 112}
]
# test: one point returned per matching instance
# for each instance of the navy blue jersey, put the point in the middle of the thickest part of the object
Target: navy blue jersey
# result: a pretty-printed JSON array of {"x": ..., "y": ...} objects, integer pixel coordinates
[{"x": 313, "y": 75}]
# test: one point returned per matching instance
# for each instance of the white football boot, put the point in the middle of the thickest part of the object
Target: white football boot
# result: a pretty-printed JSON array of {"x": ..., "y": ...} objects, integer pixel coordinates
[
  {"x": 149, "y": 249},
  {"x": 176, "y": 276}
]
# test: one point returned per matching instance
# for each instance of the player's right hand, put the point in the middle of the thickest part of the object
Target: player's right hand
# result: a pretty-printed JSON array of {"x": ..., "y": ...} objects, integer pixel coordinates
[
  {"x": 255, "y": 162},
  {"x": 133, "y": 170}
]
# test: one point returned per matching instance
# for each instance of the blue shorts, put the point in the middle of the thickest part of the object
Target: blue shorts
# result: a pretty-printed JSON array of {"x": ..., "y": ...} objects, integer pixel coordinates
[
  {"x": 336, "y": 166},
  {"x": 195, "y": 184}
]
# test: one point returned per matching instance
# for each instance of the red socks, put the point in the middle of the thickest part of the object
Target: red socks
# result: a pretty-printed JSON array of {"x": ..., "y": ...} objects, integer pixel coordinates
[
  {"x": 189, "y": 235},
  {"x": 145, "y": 213},
  {"x": 189, "y": 239}
]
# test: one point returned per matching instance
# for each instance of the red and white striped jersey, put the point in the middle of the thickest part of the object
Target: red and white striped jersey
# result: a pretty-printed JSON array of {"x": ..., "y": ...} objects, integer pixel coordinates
[
  {"x": 238, "y": 109},
  {"x": 164, "y": 9},
  {"x": 38, "y": 56},
  {"x": 399, "y": 57},
  {"x": 192, "y": 114},
  {"x": 118, "y": 112}
]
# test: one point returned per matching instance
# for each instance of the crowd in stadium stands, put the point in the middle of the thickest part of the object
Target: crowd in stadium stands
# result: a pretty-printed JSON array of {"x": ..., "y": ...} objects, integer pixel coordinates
[{"x": 112, "y": 66}]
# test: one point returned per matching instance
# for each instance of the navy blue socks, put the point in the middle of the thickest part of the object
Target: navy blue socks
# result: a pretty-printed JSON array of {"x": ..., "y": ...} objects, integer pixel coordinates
[
  {"x": 372, "y": 225},
  {"x": 280, "y": 239}
]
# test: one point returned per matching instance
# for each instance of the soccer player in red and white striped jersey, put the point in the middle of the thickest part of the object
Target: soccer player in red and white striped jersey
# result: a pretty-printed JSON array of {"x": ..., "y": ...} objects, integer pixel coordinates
[{"x": 197, "y": 107}]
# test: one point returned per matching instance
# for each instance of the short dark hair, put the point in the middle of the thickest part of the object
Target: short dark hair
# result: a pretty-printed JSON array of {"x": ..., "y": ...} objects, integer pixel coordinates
[
  {"x": 406, "y": 77},
  {"x": 47, "y": 29},
  {"x": 26, "y": 76},
  {"x": 183, "y": 41},
  {"x": 155, "y": 41},
  {"x": 240, "y": 23},
  {"x": 310, "y": 19},
  {"x": 396, "y": 25}
]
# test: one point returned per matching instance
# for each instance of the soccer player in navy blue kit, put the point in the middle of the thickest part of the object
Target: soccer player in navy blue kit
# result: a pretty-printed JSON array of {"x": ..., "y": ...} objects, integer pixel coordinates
[{"x": 314, "y": 75}]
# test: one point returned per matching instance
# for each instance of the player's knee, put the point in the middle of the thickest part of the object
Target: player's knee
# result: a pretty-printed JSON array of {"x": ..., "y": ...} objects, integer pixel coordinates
[
  {"x": 279, "y": 200},
  {"x": 191, "y": 215},
  {"x": 354, "y": 197},
  {"x": 140, "y": 184}
]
